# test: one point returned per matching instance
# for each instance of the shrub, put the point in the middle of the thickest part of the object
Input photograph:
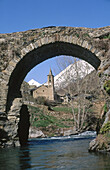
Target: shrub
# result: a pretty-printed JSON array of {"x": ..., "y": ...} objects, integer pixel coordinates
[
  {"x": 77, "y": 35},
  {"x": 107, "y": 36},
  {"x": 105, "y": 128}
]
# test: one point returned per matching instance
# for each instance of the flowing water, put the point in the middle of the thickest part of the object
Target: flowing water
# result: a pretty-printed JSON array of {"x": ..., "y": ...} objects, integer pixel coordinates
[{"x": 68, "y": 153}]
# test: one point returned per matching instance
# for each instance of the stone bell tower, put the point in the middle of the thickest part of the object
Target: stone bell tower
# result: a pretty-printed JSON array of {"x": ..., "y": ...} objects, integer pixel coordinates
[{"x": 51, "y": 90}]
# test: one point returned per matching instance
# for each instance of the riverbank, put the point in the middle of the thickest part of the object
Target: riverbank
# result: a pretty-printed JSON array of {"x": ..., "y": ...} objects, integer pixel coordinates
[
  {"x": 58, "y": 121},
  {"x": 102, "y": 142}
]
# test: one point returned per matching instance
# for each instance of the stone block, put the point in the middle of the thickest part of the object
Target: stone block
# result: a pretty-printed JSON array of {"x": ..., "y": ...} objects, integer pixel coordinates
[
  {"x": 61, "y": 38},
  {"x": 89, "y": 46},
  {"x": 39, "y": 43},
  {"x": 85, "y": 44},
  {"x": 100, "y": 53},
  {"x": 11, "y": 118},
  {"x": 35, "y": 45},
  {"x": 30, "y": 47},
  {"x": 52, "y": 39},
  {"x": 43, "y": 41},
  {"x": 70, "y": 39},
  {"x": 75, "y": 39},
  {"x": 79, "y": 42},
  {"x": 9, "y": 69},
  {"x": 93, "y": 50},
  {"x": 13, "y": 63},
  {"x": 46, "y": 40},
  {"x": 2, "y": 40},
  {"x": 16, "y": 143},
  {"x": 23, "y": 51},
  {"x": 66, "y": 39}
]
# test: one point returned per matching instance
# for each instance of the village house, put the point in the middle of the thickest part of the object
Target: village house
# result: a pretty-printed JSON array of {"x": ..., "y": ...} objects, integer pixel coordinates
[{"x": 46, "y": 91}]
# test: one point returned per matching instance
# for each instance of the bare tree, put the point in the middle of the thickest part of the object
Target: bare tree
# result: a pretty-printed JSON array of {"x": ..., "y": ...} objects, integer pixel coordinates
[
  {"x": 80, "y": 110},
  {"x": 82, "y": 105}
]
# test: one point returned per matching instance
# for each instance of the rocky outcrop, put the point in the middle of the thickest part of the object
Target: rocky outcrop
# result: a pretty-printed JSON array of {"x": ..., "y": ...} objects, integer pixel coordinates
[
  {"x": 35, "y": 133},
  {"x": 100, "y": 144}
]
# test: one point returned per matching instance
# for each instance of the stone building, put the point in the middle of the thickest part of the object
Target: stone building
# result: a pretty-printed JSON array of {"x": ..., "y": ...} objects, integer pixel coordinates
[{"x": 47, "y": 91}]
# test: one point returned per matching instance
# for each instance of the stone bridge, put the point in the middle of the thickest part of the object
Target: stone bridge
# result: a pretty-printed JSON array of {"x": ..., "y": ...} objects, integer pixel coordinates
[{"x": 21, "y": 51}]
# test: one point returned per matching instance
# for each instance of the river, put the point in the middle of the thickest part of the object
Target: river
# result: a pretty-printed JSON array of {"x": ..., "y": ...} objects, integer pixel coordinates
[{"x": 67, "y": 153}]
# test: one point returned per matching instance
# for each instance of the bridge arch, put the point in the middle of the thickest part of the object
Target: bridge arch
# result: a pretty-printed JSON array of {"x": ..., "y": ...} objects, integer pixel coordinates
[
  {"x": 29, "y": 48},
  {"x": 35, "y": 56}
]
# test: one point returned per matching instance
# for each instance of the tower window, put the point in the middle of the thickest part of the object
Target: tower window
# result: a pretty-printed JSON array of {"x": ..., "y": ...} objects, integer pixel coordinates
[{"x": 49, "y": 79}]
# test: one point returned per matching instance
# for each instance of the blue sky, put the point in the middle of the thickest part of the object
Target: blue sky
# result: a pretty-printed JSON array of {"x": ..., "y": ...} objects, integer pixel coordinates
[{"x": 22, "y": 15}]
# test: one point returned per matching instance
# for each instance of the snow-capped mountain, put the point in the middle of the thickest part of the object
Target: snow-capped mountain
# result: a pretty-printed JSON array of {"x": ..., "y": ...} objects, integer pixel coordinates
[
  {"x": 33, "y": 82},
  {"x": 71, "y": 73}
]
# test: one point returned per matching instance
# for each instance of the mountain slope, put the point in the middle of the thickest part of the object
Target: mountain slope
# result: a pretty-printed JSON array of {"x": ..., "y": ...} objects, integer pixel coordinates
[{"x": 71, "y": 73}]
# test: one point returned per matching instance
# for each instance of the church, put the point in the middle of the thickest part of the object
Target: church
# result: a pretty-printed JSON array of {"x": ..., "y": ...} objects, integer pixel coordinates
[{"x": 46, "y": 91}]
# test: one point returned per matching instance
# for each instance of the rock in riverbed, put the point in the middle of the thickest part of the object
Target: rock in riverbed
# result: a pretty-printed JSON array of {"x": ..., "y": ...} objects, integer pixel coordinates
[{"x": 34, "y": 133}]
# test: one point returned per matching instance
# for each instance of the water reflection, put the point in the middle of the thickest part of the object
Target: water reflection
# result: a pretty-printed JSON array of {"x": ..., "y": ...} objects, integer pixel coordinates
[
  {"x": 24, "y": 158},
  {"x": 15, "y": 158},
  {"x": 102, "y": 160},
  {"x": 9, "y": 159}
]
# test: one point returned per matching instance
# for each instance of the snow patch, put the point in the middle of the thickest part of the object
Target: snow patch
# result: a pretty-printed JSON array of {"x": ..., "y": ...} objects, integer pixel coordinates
[
  {"x": 69, "y": 74},
  {"x": 33, "y": 82}
]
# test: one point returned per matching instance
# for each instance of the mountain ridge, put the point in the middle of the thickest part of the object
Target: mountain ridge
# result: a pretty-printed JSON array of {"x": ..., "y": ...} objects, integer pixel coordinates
[
  {"x": 68, "y": 75},
  {"x": 71, "y": 73}
]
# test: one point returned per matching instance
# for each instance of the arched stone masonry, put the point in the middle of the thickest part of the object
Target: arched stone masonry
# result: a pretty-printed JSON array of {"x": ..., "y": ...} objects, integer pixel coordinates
[{"x": 21, "y": 51}]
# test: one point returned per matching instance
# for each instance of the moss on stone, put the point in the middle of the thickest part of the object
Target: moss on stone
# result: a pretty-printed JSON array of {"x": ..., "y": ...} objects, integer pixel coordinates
[
  {"x": 77, "y": 35},
  {"x": 107, "y": 86},
  {"x": 99, "y": 74},
  {"x": 86, "y": 35},
  {"x": 105, "y": 108},
  {"x": 107, "y": 36}
]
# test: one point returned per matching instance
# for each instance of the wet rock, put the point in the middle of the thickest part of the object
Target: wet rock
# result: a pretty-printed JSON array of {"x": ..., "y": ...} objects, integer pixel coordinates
[
  {"x": 17, "y": 143},
  {"x": 93, "y": 145}
]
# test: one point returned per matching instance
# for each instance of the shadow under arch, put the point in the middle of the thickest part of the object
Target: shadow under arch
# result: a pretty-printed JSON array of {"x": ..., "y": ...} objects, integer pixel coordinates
[{"x": 39, "y": 55}]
